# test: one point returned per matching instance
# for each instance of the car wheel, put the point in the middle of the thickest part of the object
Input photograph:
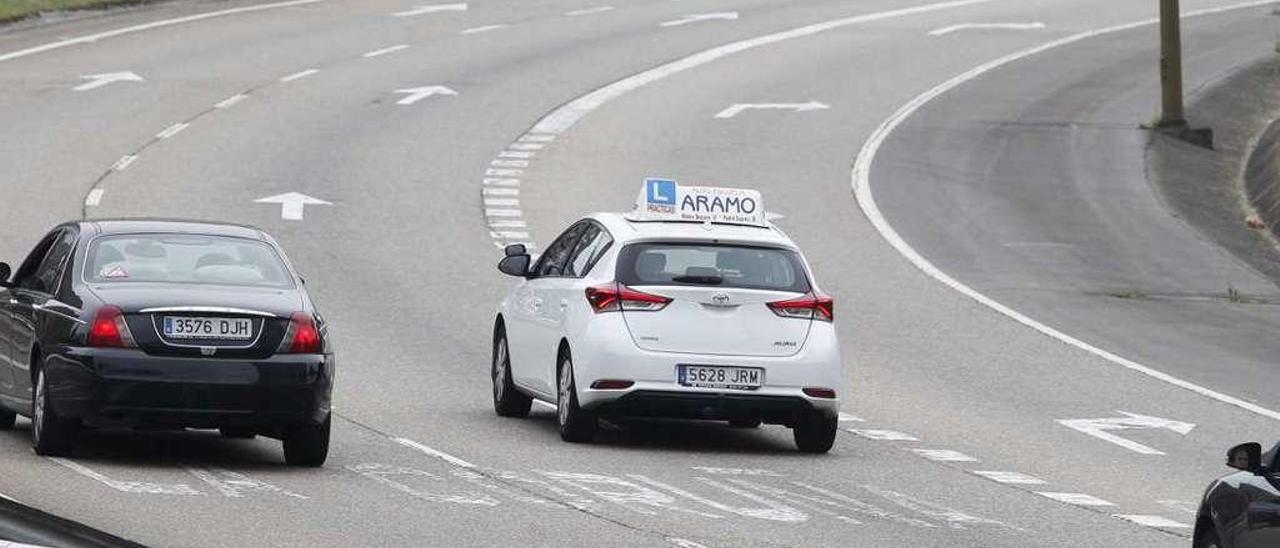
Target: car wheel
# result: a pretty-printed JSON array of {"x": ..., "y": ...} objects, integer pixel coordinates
[
  {"x": 51, "y": 435},
  {"x": 238, "y": 433},
  {"x": 507, "y": 400},
  {"x": 815, "y": 433},
  {"x": 308, "y": 445},
  {"x": 745, "y": 422},
  {"x": 7, "y": 419},
  {"x": 1207, "y": 539},
  {"x": 576, "y": 424}
]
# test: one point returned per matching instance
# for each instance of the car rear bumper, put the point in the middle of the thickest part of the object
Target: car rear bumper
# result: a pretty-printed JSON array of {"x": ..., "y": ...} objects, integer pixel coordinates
[
  {"x": 130, "y": 387},
  {"x": 711, "y": 406}
]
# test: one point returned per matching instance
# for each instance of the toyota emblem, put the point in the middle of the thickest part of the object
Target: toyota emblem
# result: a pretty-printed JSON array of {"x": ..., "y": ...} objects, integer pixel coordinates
[{"x": 720, "y": 298}]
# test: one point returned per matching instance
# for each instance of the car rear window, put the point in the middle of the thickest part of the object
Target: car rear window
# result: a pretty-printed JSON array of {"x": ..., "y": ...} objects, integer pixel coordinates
[
  {"x": 716, "y": 265},
  {"x": 185, "y": 258}
]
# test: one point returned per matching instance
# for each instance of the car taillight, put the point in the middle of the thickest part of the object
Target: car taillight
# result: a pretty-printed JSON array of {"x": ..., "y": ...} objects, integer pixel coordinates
[
  {"x": 303, "y": 337},
  {"x": 612, "y": 297},
  {"x": 109, "y": 329},
  {"x": 810, "y": 306}
]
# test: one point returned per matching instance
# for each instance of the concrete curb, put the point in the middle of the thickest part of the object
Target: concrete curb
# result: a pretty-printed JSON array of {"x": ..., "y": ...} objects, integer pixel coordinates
[{"x": 23, "y": 524}]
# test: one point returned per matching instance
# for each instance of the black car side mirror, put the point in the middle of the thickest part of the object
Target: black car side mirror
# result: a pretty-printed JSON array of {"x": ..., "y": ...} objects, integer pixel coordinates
[
  {"x": 1246, "y": 457},
  {"x": 515, "y": 249},
  {"x": 515, "y": 265},
  {"x": 4, "y": 274}
]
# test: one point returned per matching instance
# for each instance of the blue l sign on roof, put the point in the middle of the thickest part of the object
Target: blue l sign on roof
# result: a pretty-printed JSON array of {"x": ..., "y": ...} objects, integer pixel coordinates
[{"x": 660, "y": 192}]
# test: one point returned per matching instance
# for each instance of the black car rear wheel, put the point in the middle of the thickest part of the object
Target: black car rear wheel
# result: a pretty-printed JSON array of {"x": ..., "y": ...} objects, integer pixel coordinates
[
  {"x": 815, "y": 433},
  {"x": 507, "y": 400},
  {"x": 577, "y": 425},
  {"x": 308, "y": 445},
  {"x": 51, "y": 435}
]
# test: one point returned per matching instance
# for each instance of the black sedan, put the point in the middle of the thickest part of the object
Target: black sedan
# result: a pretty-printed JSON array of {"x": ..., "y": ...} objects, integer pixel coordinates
[
  {"x": 1242, "y": 509},
  {"x": 163, "y": 324}
]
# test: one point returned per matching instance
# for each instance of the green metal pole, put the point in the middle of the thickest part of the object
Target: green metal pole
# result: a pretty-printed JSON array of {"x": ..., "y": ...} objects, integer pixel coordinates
[{"x": 1172, "y": 114}]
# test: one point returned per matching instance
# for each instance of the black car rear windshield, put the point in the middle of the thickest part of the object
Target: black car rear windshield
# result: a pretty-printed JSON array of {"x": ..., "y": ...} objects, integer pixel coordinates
[
  {"x": 185, "y": 258},
  {"x": 715, "y": 265}
]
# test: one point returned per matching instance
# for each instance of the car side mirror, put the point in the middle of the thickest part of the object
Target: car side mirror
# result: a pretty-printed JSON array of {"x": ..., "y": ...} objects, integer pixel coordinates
[
  {"x": 4, "y": 274},
  {"x": 515, "y": 265},
  {"x": 1246, "y": 457},
  {"x": 515, "y": 249}
]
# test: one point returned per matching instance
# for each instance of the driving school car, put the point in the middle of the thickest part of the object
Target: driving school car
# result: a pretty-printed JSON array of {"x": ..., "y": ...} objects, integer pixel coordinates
[{"x": 691, "y": 306}]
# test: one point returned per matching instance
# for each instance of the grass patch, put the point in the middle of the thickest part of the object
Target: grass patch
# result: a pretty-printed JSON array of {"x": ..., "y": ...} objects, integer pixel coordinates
[{"x": 14, "y": 10}]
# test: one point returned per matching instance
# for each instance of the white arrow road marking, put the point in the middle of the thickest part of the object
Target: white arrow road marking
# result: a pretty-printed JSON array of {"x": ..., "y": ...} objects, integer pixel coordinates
[
  {"x": 694, "y": 18},
  {"x": 418, "y": 94},
  {"x": 291, "y": 204},
  {"x": 140, "y": 487},
  {"x": 420, "y": 10},
  {"x": 1078, "y": 499},
  {"x": 1153, "y": 521},
  {"x": 1100, "y": 428},
  {"x": 1002, "y": 26},
  {"x": 797, "y": 107},
  {"x": 96, "y": 81}
]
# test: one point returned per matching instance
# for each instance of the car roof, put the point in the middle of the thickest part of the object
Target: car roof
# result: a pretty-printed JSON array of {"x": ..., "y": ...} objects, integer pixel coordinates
[
  {"x": 628, "y": 230},
  {"x": 180, "y": 226}
]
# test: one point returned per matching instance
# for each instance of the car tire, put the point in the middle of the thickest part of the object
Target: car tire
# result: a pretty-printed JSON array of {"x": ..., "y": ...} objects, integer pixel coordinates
[
  {"x": 308, "y": 445},
  {"x": 745, "y": 422},
  {"x": 507, "y": 400},
  {"x": 238, "y": 433},
  {"x": 577, "y": 425},
  {"x": 51, "y": 435},
  {"x": 815, "y": 433},
  {"x": 7, "y": 419},
  {"x": 1207, "y": 539}
]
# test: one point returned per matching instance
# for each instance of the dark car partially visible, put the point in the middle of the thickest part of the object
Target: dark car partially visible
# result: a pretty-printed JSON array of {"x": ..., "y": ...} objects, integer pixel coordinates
[
  {"x": 1242, "y": 509},
  {"x": 170, "y": 324}
]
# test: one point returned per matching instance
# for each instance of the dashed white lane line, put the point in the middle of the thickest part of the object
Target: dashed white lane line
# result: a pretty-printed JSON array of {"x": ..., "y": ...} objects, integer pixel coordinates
[
  {"x": 883, "y": 435},
  {"x": 684, "y": 543},
  {"x": 502, "y": 213},
  {"x": 124, "y": 162},
  {"x": 943, "y": 455},
  {"x": 509, "y": 235},
  {"x": 1078, "y": 499},
  {"x": 987, "y": 26},
  {"x": 536, "y": 138},
  {"x": 91, "y": 38},
  {"x": 845, "y": 417},
  {"x": 434, "y": 452},
  {"x": 299, "y": 75},
  {"x": 172, "y": 130},
  {"x": 501, "y": 202},
  {"x": 231, "y": 101},
  {"x": 486, "y": 28},
  {"x": 386, "y": 50},
  {"x": 509, "y": 163},
  {"x": 516, "y": 154},
  {"x": 504, "y": 172},
  {"x": 1160, "y": 522},
  {"x": 526, "y": 146},
  {"x": 499, "y": 223},
  {"x": 1012, "y": 478},
  {"x": 501, "y": 191},
  {"x": 420, "y": 10},
  {"x": 589, "y": 11},
  {"x": 495, "y": 181},
  {"x": 861, "y": 182},
  {"x": 94, "y": 198}
]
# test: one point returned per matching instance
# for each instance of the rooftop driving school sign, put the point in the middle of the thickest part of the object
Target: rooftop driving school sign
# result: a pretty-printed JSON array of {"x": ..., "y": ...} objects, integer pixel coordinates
[{"x": 666, "y": 200}]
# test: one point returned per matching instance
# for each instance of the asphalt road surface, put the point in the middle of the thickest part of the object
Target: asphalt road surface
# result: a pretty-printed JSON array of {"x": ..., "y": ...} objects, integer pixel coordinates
[{"x": 966, "y": 178}]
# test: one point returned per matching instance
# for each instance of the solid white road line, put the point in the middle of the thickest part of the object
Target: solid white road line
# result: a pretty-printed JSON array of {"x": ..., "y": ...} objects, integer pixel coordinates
[
  {"x": 231, "y": 101},
  {"x": 386, "y": 50},
  {"x": 90, "y": 38},
  {"x": 95, "y": 197},
  {"x": 486, "y": 28},
  {"x": 1014, "y": 478},
  {"x": 883, "y": 435},
  {"x": 944, "y": 455},
  {"x": 1078, "y": 499},
  {"x": 1153, "y": 521},
  {"x": 299, "y": 75},
  {"x": 589, "y": 11},
  {"x": 172, "y": 130},
  {"x": 434, "y": 452},
  {"x": 561, "y": 119},
  {"x": 861, "y": 181},
  {"x": 987, "y": 26},
  {"x": 431, "y": 9}
]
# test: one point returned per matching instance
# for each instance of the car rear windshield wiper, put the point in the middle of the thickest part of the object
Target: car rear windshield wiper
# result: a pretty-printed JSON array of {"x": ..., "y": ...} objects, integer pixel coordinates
[{"x": 699, "y": 280}]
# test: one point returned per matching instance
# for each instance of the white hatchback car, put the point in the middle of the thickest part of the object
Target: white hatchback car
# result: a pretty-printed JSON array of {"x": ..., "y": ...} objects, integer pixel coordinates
[{"x": 628, "y": 317}]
